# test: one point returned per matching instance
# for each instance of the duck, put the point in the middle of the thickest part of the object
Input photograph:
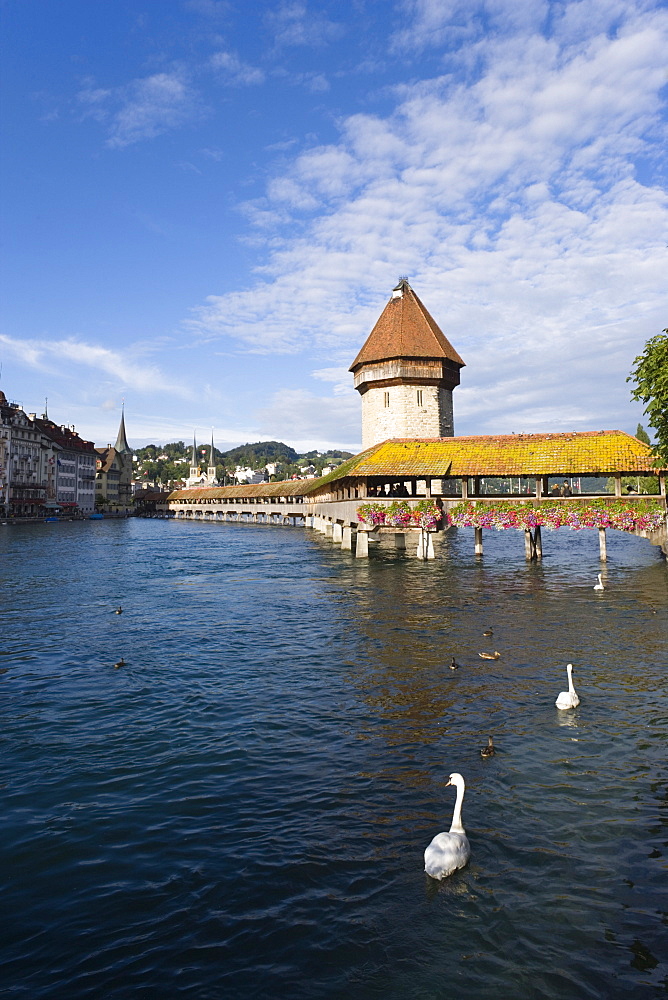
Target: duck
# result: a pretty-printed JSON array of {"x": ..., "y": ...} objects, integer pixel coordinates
[
  {"x": 490, "y": 631},
  {"x": 453, "y": 664},
  {"x": 121, "y": 663},
  {"x": 568, "y": 699},
  {"x": 449, "y": 851},
  {"x": 599, "y": 585},
  {"x": 119, "y": 610},
  {"x": 490, "y": 656},
  {"x": 489, "y": 750}
]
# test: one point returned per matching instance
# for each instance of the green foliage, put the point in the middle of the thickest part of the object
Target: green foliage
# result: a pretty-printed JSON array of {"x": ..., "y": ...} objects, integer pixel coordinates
[
  {"x": 257, "y": 455},
  {"x": 642, "y": 435},
  {"x": 152, "y": 468},
  {"x": 639, "y": 484},
  {"x": 651, "y": 380}
]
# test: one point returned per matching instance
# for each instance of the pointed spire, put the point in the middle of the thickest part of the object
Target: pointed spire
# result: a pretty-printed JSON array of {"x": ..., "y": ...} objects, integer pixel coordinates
[
  {"x": 46, "y": 408},
  {"x": 193, "y": 460},
  {"x": 405, "y": 329},
  {"x": 122, "y": 445},
  {"x": 212, "y": 459}
]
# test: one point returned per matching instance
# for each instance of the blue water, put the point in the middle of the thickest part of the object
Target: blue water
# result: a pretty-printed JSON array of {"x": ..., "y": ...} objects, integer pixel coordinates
[{"x": 241, "y": 810}]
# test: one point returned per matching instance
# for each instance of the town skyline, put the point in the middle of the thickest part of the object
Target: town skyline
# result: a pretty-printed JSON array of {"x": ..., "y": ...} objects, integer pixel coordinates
[{"x": 207, "y": 207}]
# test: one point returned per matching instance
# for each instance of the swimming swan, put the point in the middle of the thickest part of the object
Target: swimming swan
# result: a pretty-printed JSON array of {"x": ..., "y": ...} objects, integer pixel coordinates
[
  {"x": 599, "y": 585},
  {"x": 568, "y": 699},
  {"x": 449, "y": 851}
]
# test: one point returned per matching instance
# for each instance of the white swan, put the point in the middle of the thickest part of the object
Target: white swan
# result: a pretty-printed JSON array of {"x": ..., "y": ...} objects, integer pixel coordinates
[
  {"x": 568, "y": 699},
  {"x": 599, "y": 585},
  {"x": 449, "y": 851}
]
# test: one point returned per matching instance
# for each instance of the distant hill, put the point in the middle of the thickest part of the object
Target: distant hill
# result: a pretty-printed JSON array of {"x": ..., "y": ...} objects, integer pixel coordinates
[
  {"x": 170, "y": 462},
  {"x": 257, "y": 455}
]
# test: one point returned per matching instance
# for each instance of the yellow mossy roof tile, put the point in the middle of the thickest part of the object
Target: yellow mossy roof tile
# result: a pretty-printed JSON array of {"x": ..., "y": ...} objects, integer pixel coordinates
[{"x": 576, "y": 453}]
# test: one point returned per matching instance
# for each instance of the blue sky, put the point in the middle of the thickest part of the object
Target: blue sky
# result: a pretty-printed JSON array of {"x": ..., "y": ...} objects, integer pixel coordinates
[{"x": 206, "y": 204}]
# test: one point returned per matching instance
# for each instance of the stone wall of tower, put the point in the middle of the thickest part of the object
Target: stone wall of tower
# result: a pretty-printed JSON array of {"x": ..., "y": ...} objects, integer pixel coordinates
[{"x": 406, "y": 416}]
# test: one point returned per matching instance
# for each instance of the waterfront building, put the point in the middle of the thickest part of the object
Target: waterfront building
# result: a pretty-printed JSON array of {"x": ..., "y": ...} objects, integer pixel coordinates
[
  {"x": 74, "y": 466},
  {"x": 114, "y": 472},
  {"x": 28, "y": 459},
  {"x": 405, "y": 373}
]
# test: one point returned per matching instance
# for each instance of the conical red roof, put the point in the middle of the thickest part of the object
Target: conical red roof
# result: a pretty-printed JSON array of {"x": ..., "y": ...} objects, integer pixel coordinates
[{"x": 405, "y": 330}]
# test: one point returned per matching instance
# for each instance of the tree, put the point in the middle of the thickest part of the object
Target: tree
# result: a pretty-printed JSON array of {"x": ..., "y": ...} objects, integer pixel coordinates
[
  {"x": 651, "y": 378},
  {"x": 642, "y": 435}
]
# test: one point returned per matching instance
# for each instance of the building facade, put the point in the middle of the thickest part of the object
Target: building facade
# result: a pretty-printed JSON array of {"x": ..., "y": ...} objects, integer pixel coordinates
[
  {"x": 405, "y": 373},
  {"x": 28, "y": 459},
  {"x": 114, "y": 472},
  {"x": 74, "y": 466}
]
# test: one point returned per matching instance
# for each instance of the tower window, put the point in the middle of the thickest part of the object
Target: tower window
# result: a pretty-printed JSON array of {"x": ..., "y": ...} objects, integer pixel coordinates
[
  {"x": 419, "y": 397},
  {"x": 387, "y": 398}
]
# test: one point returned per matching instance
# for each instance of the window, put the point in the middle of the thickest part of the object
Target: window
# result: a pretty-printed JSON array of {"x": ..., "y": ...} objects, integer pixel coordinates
[
  {"x": 387, "y": 398},
  {"x": 419, "y": 397}
]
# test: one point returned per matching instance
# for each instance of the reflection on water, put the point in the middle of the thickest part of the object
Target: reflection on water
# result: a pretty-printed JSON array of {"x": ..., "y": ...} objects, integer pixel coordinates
[{"x": 242, "y": 809}]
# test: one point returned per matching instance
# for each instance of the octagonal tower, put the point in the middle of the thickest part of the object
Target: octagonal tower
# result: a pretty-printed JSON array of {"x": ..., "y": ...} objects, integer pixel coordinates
[{"x": 405, "y": 373}]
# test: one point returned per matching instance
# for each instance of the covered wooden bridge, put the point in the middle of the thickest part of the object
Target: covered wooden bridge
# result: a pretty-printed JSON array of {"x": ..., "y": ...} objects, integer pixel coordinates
[{"x": 403, "y": 489}]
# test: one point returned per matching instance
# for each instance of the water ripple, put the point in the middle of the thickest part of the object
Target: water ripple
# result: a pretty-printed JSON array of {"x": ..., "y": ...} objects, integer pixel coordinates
[{"x": 242, "y": 809}]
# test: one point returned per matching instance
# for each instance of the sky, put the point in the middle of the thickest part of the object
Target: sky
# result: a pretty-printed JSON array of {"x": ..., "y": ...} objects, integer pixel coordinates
[{"x": 207, "y": 203}]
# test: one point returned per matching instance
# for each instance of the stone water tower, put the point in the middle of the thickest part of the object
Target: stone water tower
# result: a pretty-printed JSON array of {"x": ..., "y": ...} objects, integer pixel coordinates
[{"x": 405, "y": 373}]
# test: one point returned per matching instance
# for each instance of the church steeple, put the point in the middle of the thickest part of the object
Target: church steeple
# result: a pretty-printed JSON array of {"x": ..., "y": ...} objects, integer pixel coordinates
[
  {"x": 211, "y": 471},
  {"x": 194, "y": 464},
  {"x": 122, "y": 445}
]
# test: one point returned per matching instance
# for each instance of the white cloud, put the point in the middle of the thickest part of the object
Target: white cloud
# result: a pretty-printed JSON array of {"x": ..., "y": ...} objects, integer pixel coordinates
[
  {"x": 142, "y": 109},
  {"x": 339, "y": 377},
  {"x": 509, "y": 199},
  {"x": 295, "y": 24},
  {"x": 236, "y": 71},
  {"x": 123, "y": 370},
  {"x": 306, "y": 421}
]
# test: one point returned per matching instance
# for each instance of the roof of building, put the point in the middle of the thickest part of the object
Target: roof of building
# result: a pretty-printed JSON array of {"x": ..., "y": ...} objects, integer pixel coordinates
[
  {"x": 583, "y": 453},
  {"x": 284, "y": 488},
  {"x": 64, "y": 436},
  {"x": 405, "y": 329},
  {"x": 122, "y": 445}
]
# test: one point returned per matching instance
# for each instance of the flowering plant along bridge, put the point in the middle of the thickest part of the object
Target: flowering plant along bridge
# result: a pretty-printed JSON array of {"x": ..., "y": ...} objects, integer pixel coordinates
[{"x": 402, "y": 489}]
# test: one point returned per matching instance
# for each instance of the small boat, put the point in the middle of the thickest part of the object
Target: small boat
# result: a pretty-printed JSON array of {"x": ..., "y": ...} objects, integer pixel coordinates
[{"x": 95, "y": 517}]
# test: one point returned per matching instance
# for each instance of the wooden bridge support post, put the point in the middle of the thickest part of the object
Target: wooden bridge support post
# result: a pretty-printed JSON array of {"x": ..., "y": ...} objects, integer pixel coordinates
[
  {"x": 602, "y": 545},
  {"x": 400, "y": 541},
  {"x": 362, "y": 545},
  {"x": 425, "y": 548},
  {"x": 478, "y": 541},
  {"x": 533, "y": 544},
  {"x": 528, "y": 545}
]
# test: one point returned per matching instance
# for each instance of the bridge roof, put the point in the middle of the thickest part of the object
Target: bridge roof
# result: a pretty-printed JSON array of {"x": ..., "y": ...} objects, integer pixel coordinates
[
  {"x": 595, "y": 453},
  {"x": 285, "y": 488}
]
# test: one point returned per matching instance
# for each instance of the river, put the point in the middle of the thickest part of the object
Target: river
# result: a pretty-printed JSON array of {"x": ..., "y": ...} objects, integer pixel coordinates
[{"x": 241, "y": 810}]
